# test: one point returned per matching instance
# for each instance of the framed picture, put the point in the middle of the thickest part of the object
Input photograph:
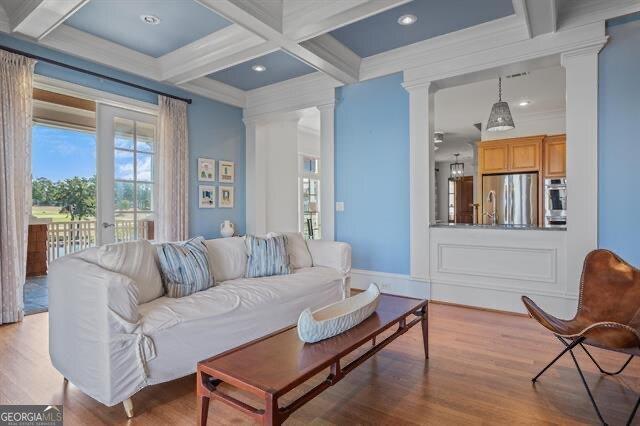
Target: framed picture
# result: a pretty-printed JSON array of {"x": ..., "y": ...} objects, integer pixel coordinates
[
  {"x": 226, "y": 172},
  {"x": 206, "y": 169},
  {"x": 207, "y": 197},
  {"x": 225, "y": 197}
]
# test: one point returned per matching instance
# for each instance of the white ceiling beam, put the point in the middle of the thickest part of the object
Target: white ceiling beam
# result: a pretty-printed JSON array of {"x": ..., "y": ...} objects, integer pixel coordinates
[
  {"x": 37, "y": 18},
  {"x": 261, "y": 22},
  {"x": 542, "y": 16},
  {"x": 219, "y": 50},
  {"x": 300, "y": 23}
]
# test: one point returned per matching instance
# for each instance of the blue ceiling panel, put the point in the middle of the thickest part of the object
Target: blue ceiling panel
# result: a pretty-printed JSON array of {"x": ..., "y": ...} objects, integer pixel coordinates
[
  {"x": 181, "y": 22},
  {"x": 382, "y": 32},
  {"x": 280, "y": 67}
]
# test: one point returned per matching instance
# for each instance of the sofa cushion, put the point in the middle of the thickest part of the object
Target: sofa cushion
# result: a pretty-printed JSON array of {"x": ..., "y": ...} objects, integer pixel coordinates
[
  {"x": 299, "y": 256},
  {"x": 134, "y": 259},
  {"x": 185, "y": 267},
  {"x": 227, "y": 257},
  {"x": 267, "y": 256}
]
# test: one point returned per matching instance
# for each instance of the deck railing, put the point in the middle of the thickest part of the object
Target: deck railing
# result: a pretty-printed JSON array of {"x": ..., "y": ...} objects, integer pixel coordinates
[{"x": 64, "y": 238}]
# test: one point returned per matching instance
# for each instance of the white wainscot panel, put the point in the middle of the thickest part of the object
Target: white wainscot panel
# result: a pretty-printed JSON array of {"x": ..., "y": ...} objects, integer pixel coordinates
[{"x": 493, "y": 268}]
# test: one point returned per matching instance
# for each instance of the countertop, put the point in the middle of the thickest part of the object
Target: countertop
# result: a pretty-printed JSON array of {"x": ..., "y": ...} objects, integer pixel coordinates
[{"x": 482, "y": 226}]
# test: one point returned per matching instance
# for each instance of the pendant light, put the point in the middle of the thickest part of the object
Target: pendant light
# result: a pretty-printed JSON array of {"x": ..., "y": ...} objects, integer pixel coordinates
[
  {"x": 500, "y": 118},
  {"x": 456, "y": 169}
]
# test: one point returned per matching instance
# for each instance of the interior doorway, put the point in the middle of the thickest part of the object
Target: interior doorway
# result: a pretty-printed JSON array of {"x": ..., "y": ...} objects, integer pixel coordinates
[{"x": 460, "y": 200}]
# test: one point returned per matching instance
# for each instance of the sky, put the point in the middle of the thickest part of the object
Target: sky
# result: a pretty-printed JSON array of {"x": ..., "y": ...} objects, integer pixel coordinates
[{"x": 58, "y": 154}]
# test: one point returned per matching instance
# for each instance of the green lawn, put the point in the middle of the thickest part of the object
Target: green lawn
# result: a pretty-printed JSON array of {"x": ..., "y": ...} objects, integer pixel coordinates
[{"x": 52, "y": 212}]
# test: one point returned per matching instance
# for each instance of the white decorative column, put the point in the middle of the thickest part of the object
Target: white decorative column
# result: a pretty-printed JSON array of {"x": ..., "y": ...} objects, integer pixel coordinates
[
  {"x": 581, "y": 67},
  {"x": 422, "y": 175},
  {"x": 327, "y": 197},
  {"x": 256, "y": 180}
]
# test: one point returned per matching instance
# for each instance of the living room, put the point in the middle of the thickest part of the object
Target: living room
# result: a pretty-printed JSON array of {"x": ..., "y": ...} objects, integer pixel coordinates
[{"x": 262, "y": 198}]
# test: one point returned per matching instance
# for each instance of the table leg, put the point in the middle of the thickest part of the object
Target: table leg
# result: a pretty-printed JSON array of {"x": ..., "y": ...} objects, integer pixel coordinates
[
  {"x": 271, "y": 413},
  {"x": 202, "y": 401},
  {"x": 425, "y": 330}
]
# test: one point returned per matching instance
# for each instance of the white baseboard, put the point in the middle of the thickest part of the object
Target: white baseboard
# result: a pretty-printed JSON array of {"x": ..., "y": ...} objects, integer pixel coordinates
[
  {"x": 563, "y": 306},
  {"x": 399, "y": 284}
]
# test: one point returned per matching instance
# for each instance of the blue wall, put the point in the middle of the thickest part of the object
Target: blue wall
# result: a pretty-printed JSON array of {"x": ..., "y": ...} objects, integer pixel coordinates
[
  {"x": 619, "y": 143},
  {"x": 216, "y": 130},
  {"x": 372, "y": 173}
]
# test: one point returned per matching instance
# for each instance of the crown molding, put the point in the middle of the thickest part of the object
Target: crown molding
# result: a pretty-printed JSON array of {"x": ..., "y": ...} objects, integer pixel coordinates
[
  {"x": 546, "y": 45},
  {"x": 298, "y": 93},
  {"x": 582, "y": 12},
  {"x": 447, "y": 46},
  {"x": 213, "y": 89},
  {"x": 79, "y": 43}
]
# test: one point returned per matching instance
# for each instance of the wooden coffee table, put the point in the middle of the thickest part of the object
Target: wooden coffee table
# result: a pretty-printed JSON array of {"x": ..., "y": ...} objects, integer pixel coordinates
[{"x": 275, "y": 364}]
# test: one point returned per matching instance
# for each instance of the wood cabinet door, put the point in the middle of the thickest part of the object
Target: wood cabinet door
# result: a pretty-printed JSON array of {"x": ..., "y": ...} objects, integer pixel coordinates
[
  {"x": 555, "y": 156},
  {"x": 494, "y": 158},
  {"x": 524, "y": 156}
]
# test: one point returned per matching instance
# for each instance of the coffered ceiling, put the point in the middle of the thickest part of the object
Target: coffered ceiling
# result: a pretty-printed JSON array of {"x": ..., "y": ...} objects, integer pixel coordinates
[{"x": 210, "y": 46}]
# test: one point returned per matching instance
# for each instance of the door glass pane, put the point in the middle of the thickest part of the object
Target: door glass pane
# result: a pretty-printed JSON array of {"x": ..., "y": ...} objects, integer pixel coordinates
[
  {"x": 146, "y": 136},
  {"x": 123, "y": 133},
  {"x": 144, "y": 167},
  {"x": 144, "y": 196},
  {"x": 124, "y": 196},
  {"x": 134, "y": 145},
  {"x": 123, "y": 165}
]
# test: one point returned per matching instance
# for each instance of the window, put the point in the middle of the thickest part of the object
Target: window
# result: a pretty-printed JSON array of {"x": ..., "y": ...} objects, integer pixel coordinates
[
  {"x": 134, "y": 151},
  {"x": 451, "y": 201},
  {"x": 310, "y": 197}
]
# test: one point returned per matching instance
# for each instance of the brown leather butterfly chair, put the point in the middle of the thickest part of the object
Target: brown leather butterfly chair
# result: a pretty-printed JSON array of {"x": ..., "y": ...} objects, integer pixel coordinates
[{"x": 608, "y": 315}]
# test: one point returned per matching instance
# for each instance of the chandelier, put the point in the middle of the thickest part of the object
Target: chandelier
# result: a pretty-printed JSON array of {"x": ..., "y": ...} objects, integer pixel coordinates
[{"x": 456, "y": 169}]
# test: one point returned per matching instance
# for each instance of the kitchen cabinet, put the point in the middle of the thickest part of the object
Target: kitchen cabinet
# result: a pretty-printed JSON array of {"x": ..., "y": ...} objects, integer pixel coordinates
[
  {"x": 494, "y": 158},
  {"x": 555, "y": 156},
  {"x": 510, "y": 155}
]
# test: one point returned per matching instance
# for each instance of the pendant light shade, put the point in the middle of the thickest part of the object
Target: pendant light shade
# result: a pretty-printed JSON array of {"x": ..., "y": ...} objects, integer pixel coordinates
[
  {"x": 500, "y": 118},
  {"x": 456, "y": 169}
]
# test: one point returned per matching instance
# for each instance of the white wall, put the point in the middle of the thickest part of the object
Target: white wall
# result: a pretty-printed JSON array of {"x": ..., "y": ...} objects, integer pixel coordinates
[
  {"x": 279, "y": 142},
  {"x": 547, "y": 123}
]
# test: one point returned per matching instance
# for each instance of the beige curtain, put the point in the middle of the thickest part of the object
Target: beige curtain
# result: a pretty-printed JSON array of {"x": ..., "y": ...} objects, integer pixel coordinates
[
  {"x": 173, "y": 171},
  {"x": 16, "y": 91}
]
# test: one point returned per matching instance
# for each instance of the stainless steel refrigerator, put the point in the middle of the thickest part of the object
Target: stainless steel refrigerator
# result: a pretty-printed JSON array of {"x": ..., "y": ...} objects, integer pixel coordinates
[{"x": 512, "y": 198}]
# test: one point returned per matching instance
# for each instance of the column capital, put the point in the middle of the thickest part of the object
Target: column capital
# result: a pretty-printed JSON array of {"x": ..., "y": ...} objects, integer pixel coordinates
[
  {"x": 592, "y": 49},
  {"x": 417, "y": 85},
  {"x": 327, "y": 107}
]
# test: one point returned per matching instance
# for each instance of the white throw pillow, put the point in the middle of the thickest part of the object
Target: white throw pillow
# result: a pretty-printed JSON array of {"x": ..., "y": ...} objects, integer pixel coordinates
[
  {"x": 227, "y": 257},
  {"x": 136, "y": 260},
  {"x": 299, "y": 256}
]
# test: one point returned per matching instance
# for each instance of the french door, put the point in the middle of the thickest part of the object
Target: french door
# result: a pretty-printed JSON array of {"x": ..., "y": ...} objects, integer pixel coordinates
[{"x": 126, "y": 178}]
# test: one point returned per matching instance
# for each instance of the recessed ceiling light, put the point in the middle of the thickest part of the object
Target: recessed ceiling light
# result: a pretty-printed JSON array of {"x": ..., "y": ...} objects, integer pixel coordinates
[
  {"x": 407, "y": 19},
  {"x": 259, "y": 68},
  {"x": 524, "y": 103},
  {"x": 150, "y": 19}
]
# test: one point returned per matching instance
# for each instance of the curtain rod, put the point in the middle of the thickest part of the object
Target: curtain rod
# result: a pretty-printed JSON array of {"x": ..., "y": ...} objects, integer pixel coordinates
[{"x": 95, "y": 74}]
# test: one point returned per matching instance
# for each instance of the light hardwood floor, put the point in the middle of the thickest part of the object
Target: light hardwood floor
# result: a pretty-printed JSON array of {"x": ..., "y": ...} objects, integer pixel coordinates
[{"x": 479, "y": 373}]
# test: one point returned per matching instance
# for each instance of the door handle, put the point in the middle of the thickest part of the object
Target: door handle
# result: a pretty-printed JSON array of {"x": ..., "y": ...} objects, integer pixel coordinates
[{"x": 106, "y": 225}]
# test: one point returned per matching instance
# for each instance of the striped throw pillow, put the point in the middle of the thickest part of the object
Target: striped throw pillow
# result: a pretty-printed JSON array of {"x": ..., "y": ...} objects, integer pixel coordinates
[
  {"x": 267, "y": 256},
  {"x": 185, "y": 267}
]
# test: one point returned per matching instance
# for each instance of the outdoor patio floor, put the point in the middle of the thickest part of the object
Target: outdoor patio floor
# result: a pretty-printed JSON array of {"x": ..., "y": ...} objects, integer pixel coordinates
[{"x": 36, "y": 297}]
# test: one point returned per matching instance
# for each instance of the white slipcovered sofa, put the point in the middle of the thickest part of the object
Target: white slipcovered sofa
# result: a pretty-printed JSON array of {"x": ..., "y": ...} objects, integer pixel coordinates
[{"x": 110, "y": 347}]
